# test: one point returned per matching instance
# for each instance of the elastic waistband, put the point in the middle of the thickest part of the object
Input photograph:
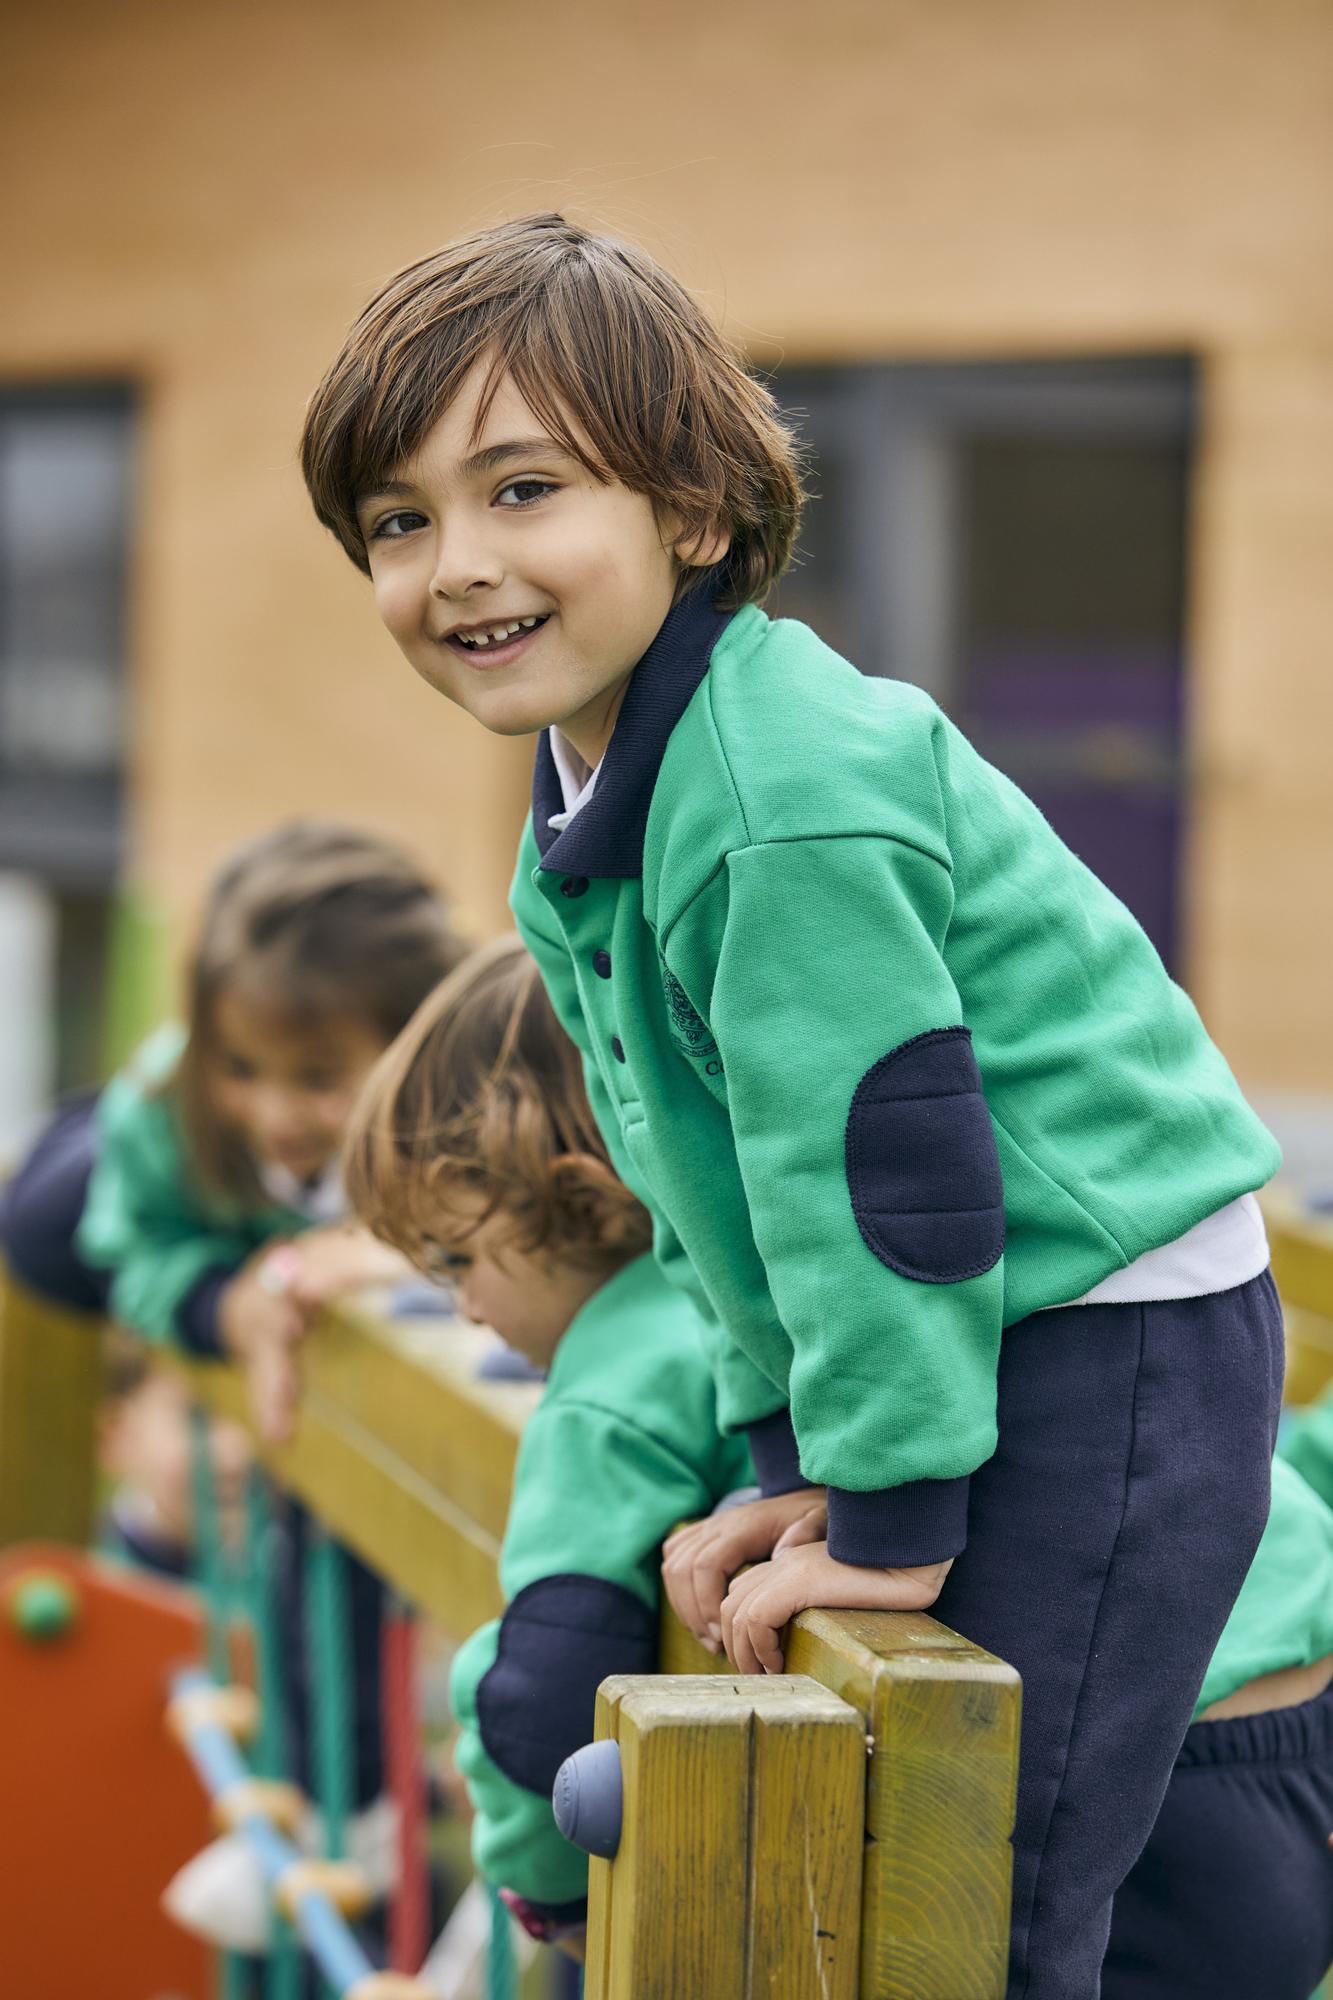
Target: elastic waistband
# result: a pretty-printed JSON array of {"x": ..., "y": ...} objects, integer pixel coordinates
[{"x": 1278, "y": 1736}]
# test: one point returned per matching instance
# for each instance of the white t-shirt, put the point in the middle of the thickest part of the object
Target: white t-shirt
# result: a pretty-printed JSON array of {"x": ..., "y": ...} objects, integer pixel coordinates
[{"x": 1227, "y": 1248}]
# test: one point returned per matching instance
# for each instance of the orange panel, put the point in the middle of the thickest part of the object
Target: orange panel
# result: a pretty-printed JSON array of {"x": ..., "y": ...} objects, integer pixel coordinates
[{"x": 100, "y": 1806}]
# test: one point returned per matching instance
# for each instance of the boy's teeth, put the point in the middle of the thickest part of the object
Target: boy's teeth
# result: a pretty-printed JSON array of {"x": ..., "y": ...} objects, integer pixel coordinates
[{"x": 498, "y": 633}]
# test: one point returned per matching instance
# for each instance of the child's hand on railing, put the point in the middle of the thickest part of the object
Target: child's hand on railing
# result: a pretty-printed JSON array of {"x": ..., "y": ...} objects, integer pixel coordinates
[
  {"x": 267, "y": 1309},
  {"x": 806, "y": 1578},
  {"x": 699, "y": 1561},
  {"x": 261, "y": 1326},
  {"x": 341, "y": 1258}
]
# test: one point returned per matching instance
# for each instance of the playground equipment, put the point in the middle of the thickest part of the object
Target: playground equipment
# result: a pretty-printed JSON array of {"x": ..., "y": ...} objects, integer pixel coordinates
[
  {"x": 847, "y": 1823},
  {"x": 100, "y": 1806}
]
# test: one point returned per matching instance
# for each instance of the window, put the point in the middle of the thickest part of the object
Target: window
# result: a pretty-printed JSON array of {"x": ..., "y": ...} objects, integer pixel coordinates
[
  {"x": 1011, "y": 536},
  {"x": 66, "y": 503}
]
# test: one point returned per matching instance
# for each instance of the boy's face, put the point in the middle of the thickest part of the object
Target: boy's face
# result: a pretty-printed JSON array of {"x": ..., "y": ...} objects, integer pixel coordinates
[
  {"x": 515, "y": 583},
  {"x": 527, "y": 1297}
]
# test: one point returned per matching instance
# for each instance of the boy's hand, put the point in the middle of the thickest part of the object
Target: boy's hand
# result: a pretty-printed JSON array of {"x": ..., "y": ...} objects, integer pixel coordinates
[
  {"x": 762, "y": 1601},
  {"x": 700, "y": 1560},
  {"x": 261, "y": 1329}
]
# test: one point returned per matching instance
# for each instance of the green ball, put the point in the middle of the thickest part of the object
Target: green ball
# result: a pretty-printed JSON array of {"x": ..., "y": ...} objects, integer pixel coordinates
[{"x": 43, "y": 1606}]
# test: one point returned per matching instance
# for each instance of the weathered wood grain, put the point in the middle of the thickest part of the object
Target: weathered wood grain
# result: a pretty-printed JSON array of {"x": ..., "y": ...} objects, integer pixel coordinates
[
  {"x": 738, "y": 1871},
  {"x": 943, "y": 1720}
]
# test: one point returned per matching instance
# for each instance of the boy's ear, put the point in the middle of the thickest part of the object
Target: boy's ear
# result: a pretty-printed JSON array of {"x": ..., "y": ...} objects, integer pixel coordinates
[{"x": 702, "y": 550}]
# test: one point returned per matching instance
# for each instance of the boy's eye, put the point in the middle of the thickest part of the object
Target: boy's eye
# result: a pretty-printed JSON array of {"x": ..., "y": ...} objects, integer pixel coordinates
[
  {"x": 393, "y": 527},
  {"x": 525, "y": 492},
  {"x": 236, "y": 1067},
  {"x": 444, "y": 1263}
]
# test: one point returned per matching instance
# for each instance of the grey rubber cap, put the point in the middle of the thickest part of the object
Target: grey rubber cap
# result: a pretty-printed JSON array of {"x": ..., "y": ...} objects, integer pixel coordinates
[{"x": 589, "y": 1799}]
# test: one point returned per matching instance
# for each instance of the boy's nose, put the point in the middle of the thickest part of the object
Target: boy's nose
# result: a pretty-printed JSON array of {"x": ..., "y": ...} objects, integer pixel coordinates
[{"x": 464, "y": 564}]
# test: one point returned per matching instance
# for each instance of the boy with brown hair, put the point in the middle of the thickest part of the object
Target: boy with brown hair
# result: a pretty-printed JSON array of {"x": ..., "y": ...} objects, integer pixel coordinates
[
  {"x": 947, "y": 1154},
  {"x": 473, "y": 1151}
]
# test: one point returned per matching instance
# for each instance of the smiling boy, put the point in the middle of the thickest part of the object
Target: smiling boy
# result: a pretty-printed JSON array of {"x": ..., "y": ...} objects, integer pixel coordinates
[{"x": 920, "y": 1116}]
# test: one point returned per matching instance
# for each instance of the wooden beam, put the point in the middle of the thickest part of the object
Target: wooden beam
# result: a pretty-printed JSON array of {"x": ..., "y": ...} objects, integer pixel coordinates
[
  {"x": 738, "y": 1872},
  {"x": 943, "y": 1721},
  {"x": 50, "y": 1375},
  {"x": 402, "y": 1452}
]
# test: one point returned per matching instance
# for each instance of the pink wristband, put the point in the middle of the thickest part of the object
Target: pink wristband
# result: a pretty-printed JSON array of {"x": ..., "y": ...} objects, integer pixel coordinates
[{"x": 280, "y": 1270}]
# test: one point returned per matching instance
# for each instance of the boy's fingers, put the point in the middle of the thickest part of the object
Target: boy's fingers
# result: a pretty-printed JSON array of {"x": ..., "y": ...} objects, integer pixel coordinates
[
  {"x": 682, "y": 1577},
  {"x": 742, "y": 1650},
  {"x": 712, "y": 1574},
  {"x": 765, "y": 1638},
  {"x": 677, "y": 1582},
  {"x": 696, "y": 1574},
  {"x": 680, "y": 1539},
  {"x": 811, "y": 1527},
  {"x": 732, "y": 1609}
]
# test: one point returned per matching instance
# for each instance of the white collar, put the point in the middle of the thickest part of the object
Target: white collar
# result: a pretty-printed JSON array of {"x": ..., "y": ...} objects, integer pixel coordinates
[
  {"x": 320, "y": 1200},
  {"x": 577, "y": 782}
]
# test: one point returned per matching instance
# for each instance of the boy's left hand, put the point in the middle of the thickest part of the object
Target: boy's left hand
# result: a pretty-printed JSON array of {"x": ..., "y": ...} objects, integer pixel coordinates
[{"x": 767, "y": 1597}]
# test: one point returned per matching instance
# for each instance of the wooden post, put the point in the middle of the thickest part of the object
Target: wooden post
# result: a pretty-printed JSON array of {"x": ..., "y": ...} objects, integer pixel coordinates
[
  {"x": 50, "y": 1362},
  {"x": 943, "y": 1718},
  {"x": 738, "y": 1875}
]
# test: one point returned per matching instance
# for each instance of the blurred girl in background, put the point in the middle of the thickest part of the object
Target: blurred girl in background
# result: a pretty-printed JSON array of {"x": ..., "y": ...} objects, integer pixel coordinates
[{"x": 198, "y": 1199}]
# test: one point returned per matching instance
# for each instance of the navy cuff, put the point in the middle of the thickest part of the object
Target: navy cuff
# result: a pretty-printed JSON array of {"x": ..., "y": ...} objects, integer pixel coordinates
[
  {"x": 899, "y": 1527},
  {"x": 196, "y": 1316},
  {"x": 777, "y": 1463}
]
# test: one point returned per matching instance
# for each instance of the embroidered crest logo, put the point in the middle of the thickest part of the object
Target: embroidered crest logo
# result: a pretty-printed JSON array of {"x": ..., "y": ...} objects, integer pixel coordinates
[{"x": 689, "y": 1030}]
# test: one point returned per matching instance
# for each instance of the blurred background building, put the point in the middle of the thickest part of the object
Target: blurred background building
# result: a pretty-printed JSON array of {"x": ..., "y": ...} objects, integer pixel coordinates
[{"x": 1050, "y": 285}]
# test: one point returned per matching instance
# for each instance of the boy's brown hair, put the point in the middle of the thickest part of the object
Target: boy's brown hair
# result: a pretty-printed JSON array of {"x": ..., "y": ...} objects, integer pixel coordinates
[
  {"x": 612, "y": 355},
  {"x": 314, "y": 920},
  {"x": 479, "y": 1110}
]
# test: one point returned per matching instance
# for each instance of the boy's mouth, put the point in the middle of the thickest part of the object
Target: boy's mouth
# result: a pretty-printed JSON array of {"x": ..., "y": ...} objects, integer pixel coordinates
[{"x": 494, "y": 644}]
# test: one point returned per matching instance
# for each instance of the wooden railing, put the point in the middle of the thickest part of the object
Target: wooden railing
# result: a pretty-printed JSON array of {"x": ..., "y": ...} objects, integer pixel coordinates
[{"x": 408, "y": 1458}]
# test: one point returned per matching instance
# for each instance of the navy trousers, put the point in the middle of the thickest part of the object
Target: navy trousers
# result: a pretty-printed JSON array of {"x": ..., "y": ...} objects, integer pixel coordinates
[
  {"x": 1232, "y": 1899},
  {"x": 1107, "y": 1541}
]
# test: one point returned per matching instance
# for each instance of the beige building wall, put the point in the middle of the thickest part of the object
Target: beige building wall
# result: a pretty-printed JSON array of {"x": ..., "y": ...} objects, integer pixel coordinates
[{"x": 201, "y": 197}]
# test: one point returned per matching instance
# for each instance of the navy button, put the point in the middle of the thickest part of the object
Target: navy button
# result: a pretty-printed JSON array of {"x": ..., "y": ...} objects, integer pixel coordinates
[
  {"x": 617, "y": 1048},
  {"x": 601, "y": 964},
  {"x": 574, "y": 885}
]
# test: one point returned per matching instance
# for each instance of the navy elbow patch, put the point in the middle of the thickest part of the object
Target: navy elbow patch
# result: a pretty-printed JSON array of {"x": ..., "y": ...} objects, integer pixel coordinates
[
  {"x": 922, "y": 1166},
  {"x": 559, "y": 1640}
]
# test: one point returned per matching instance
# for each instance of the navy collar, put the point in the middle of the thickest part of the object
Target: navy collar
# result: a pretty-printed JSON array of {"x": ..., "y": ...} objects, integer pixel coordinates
[{"x": 606, "y": 838}]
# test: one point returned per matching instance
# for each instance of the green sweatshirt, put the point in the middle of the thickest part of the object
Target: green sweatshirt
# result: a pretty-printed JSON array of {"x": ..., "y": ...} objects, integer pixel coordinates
[
  {"x": 1284, "y": 1614},
  {"x": 1307, "y": 1443},
  {"x": 170, "y": 1244},
  {"x": 896, "y": 1069},
  {"x": 623, "y": 1445}
]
